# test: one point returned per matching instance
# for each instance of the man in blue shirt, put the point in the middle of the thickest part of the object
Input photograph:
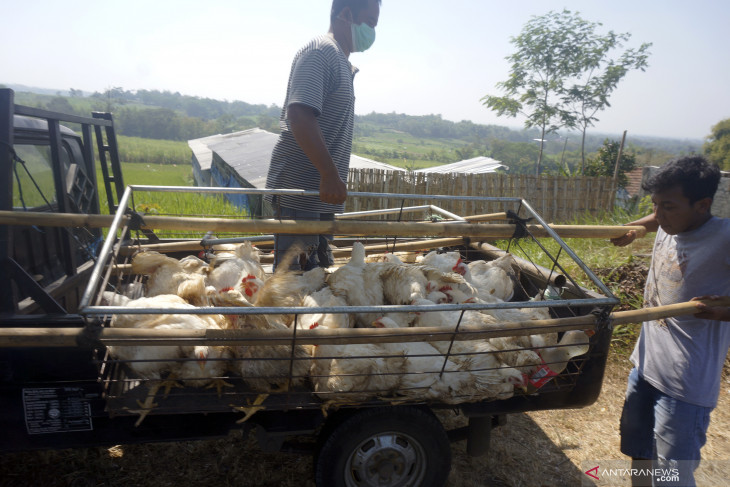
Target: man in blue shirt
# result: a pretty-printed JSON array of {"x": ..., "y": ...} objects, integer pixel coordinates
[{"x": 678, "y": 361}]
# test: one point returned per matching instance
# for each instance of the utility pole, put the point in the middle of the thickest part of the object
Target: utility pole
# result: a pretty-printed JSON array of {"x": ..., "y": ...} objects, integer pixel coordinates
[{"x": 618, "y": 159}]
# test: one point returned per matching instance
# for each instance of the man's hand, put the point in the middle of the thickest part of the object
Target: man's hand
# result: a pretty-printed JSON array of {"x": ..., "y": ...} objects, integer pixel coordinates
[
  {"x": 331, "y": 189},
  {"x": 717, "y": 313},
  {"x": 625, "y": 239},
  {"x": 649, "y": 222}
]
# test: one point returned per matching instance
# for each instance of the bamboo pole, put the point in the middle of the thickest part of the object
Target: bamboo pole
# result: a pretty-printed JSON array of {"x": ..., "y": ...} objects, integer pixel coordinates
[
  {"x": 186, "y": 246},
  {"x": 70, "y": 337},
  {"x": 336, "y": 227}
]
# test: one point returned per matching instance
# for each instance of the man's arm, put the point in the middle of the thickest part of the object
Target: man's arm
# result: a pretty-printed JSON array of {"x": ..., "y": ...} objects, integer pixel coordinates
[
  {"x": 308, "y": 135},
  {"x": 649, "y": 222}
]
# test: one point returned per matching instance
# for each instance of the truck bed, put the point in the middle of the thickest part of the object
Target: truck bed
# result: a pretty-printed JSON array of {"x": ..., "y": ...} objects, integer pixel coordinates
[{"x": 575, "y": 386}]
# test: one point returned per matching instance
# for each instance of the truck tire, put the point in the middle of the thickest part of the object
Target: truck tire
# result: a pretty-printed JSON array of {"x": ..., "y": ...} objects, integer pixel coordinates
[{"x": 390, "y": 446}]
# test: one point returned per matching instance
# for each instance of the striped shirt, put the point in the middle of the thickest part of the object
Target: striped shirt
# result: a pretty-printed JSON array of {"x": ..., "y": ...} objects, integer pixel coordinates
[{"x": 321, "y": 78}]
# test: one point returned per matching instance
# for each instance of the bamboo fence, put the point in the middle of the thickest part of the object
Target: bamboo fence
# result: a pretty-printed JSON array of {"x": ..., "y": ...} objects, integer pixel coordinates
[{"x": 555, "y": 198}]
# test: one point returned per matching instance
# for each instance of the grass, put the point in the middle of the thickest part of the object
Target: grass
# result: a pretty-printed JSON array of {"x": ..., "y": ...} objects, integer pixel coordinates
[
  {"x": 165, "y": 203},
  {"x": 186, "y": 203},
  {"x": 35, "y": 171},
  {"x": 152, "y": 151}
]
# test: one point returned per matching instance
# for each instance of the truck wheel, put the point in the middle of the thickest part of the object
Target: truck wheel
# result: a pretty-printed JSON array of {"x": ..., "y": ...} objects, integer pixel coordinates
[{"x": 391, "y": 446}]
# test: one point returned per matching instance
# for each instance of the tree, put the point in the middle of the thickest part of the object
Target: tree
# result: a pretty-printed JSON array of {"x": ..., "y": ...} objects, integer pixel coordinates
[
  {"x": 60, "y": 104},
  {"x": 717, "y": 145},
  {"x": 548, "y": 53},
  {"x": 562, "y": 73},
  {"x": 518, "y": 156},
  {"x": 600, "y": 74},
  {"x": 604, "y": 162},
  {"x": 114, "y": 97}
]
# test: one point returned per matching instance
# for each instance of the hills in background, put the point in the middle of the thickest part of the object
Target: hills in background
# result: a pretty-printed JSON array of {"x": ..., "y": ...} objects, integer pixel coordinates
[{"x": 404, "y": 140}]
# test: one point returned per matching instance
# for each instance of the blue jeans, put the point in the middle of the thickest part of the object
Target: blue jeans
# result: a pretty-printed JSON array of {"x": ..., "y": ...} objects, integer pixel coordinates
[
  {"x": 661, "y": 428},
  {"x": 315, "y": 247}
]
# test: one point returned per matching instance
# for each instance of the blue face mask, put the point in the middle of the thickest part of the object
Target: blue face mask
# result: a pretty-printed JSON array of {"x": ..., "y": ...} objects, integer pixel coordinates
[{"x": 363, "y": 37}]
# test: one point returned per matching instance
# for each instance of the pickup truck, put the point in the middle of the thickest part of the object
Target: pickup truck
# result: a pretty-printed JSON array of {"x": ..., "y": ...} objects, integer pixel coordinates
[{"x": 56, "y": 394}]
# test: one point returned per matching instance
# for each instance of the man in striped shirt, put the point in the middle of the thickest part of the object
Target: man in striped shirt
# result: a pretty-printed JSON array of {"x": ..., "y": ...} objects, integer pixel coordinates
[{"x": 313, "y": 150}]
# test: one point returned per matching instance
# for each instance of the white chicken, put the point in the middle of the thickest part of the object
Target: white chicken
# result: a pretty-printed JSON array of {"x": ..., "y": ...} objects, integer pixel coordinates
[
  {"x": 352, "y": 373},
  {"x": 510, "y": 351},
  {"x": 495, "y": 278},
  {"x": 494, "y": 378},
  {"x": 230, "y": 270},
  {"x": 193, "y": 265},
  {"x": 403, "y": 284},
  {"x": 287, "y": 288},
  {"x": 555, "y": 358},
  {"x": 392, "y": 257},
  {"x": 196, "y": 366},
  {"x": 166, "y": 273},
  {"x": 447, "y": 262},
  {"x": 357, "y": 288},
  {"x": 347, "y": 374},
  {"x": 536, "y": 342},
  {"x": 507, "y": 315},
  {"x": 573, "y": 344},
  {"x": 490, "y": 279},
  {"x": 439, "y": 282},
  {"x": 321, "y": 299},
  {"x": 193, "y": 290},
  {"x": 426, "y": 373},
  {"x": 269, "y": 368}
]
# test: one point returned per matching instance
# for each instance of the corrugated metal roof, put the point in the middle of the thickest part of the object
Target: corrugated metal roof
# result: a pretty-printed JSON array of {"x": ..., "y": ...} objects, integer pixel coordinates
[
  {"x": 201, "y": 148},
  {"x": 248, "y": 152},
  {"x": 476, "y": 165},
  {"x": 357, "y": 162}
]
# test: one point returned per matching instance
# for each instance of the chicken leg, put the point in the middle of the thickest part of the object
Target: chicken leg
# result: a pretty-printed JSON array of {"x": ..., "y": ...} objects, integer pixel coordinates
[{"x": 252, "y": 408}]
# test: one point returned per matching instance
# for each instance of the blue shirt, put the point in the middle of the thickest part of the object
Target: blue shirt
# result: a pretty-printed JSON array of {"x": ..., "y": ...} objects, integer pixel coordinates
[{"x": 684, "y": 356}]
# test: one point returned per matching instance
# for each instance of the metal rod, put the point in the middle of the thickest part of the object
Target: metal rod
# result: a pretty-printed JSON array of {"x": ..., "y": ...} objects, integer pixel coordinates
[
  {"x": 61, "y": 117},
  {"x": 300, "y": 192},
  {"x": 255, "y": 310},
  {"x": 105, "y": 250},
  {"x": 384, "y": 211},
  {"x": 604, "y": 289}
]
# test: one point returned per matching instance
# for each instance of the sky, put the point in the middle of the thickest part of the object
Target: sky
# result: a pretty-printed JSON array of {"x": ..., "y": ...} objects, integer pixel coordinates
[{"x": 429, "y": 57}]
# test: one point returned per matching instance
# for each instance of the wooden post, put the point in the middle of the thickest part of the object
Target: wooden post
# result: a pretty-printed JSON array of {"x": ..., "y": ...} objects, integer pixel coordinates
[{"x": 618, "y": 158}]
